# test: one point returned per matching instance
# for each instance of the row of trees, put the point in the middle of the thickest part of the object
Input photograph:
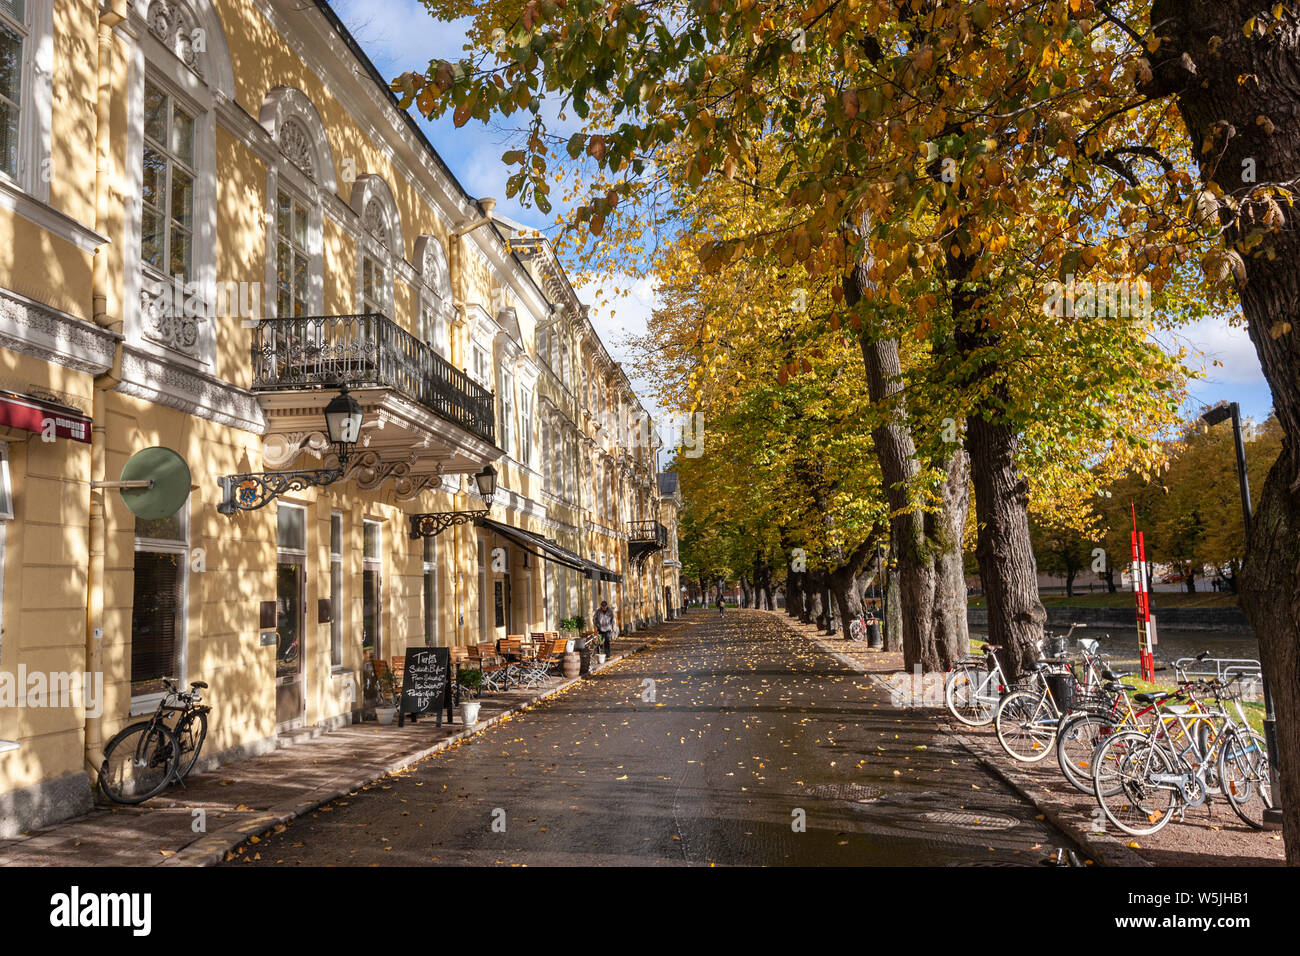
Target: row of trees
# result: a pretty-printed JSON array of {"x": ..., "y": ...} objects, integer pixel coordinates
[{"x": 931, "y": 173}]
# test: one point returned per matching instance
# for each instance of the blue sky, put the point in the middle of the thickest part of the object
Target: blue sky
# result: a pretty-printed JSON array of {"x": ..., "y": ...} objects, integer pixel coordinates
[{"x": 400, "y": 35}]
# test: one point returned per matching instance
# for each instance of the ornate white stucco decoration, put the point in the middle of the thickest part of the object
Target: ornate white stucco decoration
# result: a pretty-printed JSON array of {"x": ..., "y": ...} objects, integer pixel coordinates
[
  {"x": 370, "y": 471},
  {"x": 167, "y": 323},
  {"x": 376, "y": 221},
  {"x": 175, "y": 28},
  {"x": 298, "y": 148}
]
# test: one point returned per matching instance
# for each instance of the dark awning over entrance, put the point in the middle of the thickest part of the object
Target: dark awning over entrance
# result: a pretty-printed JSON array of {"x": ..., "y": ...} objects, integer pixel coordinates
[{"x": 550, "y": 551}]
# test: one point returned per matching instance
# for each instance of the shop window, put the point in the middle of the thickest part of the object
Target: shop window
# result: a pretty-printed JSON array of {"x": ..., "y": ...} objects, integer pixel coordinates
[
  {"x": 158, "y": 604},
  {"x": 372, "y": 590},
  {"x": 336, "y": 589}
]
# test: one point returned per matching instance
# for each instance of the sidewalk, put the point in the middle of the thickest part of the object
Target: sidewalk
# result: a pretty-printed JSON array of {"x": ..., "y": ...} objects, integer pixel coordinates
[
  {"x": 1211, "y": 835},
  {"x": 218, "y": 811}
]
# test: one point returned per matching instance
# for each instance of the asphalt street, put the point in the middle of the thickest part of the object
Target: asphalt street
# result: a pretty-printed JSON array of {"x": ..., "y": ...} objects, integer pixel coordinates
[{"x": 732, "y": 742}]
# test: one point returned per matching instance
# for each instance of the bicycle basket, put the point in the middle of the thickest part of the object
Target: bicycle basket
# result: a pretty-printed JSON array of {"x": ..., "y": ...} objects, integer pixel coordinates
[
  {"x": 1061, "y": 687},
  {"x": 1054, "y": 647}
]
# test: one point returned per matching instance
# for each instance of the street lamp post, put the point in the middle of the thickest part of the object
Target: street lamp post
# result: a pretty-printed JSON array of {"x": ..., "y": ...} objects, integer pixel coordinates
[
  {"x": 248, "y": 492},
  {"x": 1220, "y": 413},
  {"x": 433, "y": 524}
]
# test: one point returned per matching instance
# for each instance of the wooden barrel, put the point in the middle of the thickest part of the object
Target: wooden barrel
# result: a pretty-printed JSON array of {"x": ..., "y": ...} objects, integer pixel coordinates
[{"x": 572, "y": 664}]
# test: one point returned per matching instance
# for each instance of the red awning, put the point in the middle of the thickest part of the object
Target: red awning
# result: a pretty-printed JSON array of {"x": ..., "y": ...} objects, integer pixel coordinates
[{"x": 31, "y": 415}]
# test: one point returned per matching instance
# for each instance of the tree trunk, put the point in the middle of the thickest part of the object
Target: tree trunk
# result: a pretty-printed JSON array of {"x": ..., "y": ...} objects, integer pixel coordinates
[
  {"x": 928, "y": 608},
  {"x": 1006, "y": 557},
  {"x": 1243, "y": 79},
  {"x": 1109, "y": 576},
  {"x": 794, "y": 593},
  {"x": 843, "y": 583},
  {"x": 893, "y": 608},
  {"x": 1069, "y": 582},
  {"x": 1191, "y": 583}
]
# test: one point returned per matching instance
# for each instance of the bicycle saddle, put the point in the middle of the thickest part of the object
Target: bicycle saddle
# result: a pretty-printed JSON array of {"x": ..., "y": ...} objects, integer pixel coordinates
[
  {"x": 1153, "y": 698},
  {"x": 202, "y": 685}
]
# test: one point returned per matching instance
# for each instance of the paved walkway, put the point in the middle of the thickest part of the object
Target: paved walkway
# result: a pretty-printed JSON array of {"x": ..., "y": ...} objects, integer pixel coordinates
[
  {"x": 729, "y": 742},
  {"x": 219, "y": 810}
]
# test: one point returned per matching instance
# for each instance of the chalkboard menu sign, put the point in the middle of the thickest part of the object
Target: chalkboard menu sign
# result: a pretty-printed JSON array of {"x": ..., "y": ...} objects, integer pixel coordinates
[{"x": 426, "y": 684}]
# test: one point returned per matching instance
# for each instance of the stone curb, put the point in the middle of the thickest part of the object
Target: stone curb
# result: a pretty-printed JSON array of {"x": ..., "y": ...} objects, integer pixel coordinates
[
  {"x": 212, "y": 848},
  {"x": 1104, "y": 850}
]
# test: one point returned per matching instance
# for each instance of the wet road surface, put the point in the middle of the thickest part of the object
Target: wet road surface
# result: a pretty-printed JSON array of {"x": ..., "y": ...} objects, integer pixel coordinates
[{"x": 731, "y": 742}]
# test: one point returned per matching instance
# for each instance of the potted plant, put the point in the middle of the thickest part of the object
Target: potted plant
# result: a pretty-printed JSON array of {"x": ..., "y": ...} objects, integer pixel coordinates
[
  {"x": 386, "y": 707},
  {"x": 469, "y": 679}
]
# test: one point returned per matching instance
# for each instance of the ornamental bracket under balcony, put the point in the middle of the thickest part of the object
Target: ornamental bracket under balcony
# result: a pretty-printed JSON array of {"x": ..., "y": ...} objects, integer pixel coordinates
[
  {"x": 644, "y": 538},
  {"x": 424, "y": 418}
]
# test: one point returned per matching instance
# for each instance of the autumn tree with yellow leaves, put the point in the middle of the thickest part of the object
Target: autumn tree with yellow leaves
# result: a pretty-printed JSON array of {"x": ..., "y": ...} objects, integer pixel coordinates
[{"x": 982, "y": 149}]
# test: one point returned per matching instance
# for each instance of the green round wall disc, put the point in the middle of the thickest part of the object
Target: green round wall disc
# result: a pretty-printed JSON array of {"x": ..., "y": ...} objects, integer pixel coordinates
[{"x": 171, "y": 483}]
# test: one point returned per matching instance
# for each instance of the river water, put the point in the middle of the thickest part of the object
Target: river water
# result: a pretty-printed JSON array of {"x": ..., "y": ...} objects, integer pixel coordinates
[{"x": 1121, "y": 647}]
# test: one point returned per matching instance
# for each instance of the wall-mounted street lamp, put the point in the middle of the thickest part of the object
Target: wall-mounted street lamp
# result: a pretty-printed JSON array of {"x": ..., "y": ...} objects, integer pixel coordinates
[
  {"x": 249, "y": 492},
  {"x": 433, "y": 524},
  {"x": 1220, "y": 413}
]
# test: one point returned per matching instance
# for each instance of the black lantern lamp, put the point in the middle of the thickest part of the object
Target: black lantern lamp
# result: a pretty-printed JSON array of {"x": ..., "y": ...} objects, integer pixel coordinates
[
  {"x": 433, "y": 524},
  {"x": 343, "y": 417}
]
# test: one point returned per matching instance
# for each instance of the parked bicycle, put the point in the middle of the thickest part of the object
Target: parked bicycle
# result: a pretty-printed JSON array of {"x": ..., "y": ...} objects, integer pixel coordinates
[
  {"x": 1189, "y": 755},
  {"x": 146, "y": 757},
  {"x": 1027, "y": 719}
]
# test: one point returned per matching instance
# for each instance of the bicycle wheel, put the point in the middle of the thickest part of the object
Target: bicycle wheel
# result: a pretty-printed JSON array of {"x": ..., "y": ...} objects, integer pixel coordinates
[
  {"x": 1244, "y": 776},
  {"x": 191, "y": 731},
  {"x": 139, "y": 762},
  {"x": 1122, "y": 770},
  {"x": 1077, "y": 739},
  {"x": 962, "y": 694},
  {"x": 1026, "y": 726},
  {"x": 857, "y": 631}
]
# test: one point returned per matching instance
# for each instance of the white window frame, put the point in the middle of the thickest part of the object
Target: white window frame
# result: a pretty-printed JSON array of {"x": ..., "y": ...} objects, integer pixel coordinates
[
  {"x": 526, "y": 426},
  {"x": 375, "y": 564},
  {"x": 159, "y": 64},
  {"x": 337, "y": 613},
  {"x": 307, "y": 252},
  {"x": 35, "y": 99},
  {"x": 507, "y": 398},
  {"x": 430, "y": 565}
]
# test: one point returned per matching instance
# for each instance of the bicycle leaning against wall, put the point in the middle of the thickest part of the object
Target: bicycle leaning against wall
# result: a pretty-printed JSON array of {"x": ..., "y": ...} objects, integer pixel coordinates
[{"x": 144, "y": 758}]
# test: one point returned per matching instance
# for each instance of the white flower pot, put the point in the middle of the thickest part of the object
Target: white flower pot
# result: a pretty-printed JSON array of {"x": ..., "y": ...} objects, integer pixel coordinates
[
  {"x": 469, "y": 712},
  {"x": 386, "y": 715},
  {"x": 600, "y": 658}
]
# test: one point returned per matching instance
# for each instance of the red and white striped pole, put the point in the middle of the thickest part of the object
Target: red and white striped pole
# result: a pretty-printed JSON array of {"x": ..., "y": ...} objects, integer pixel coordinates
[{"x": 1146, "y": 623}]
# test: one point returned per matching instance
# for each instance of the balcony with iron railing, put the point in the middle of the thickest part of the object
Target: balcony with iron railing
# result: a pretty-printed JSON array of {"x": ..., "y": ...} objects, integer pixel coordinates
[
  {"x": 647, "y": 532},
  {"x": 368, "y": 351}
]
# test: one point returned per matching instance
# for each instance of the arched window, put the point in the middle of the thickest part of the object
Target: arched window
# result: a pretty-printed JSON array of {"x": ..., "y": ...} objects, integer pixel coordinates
[
  {"x": 379, "y": 244},
  {"x": 179, "y": 66},
  {"x": 296, "y": 183}
]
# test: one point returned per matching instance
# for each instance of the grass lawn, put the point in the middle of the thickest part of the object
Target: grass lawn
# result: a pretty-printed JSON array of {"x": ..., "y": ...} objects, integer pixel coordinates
[{"x": 1125, "y": 599}]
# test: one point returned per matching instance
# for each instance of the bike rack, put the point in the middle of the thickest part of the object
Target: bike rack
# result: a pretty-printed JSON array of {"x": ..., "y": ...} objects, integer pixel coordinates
[{"x": 1220, "y": 666}]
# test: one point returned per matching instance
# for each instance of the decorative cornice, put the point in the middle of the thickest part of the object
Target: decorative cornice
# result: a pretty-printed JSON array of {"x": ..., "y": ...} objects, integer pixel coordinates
[
  {"x": 53, "y": 336},
  {"x": 195, "y": 393}
]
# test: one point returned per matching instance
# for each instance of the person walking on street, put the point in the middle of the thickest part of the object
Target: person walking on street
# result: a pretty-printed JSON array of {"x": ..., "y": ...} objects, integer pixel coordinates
[
  {"x": 604, "y": 621},
  {"x": 721, "y": 607}
]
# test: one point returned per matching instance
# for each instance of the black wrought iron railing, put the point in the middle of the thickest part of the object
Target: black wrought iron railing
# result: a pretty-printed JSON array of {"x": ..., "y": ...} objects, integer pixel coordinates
[
  {"x": 368, "y": 351},
  {"x": 647, "y": 532}
]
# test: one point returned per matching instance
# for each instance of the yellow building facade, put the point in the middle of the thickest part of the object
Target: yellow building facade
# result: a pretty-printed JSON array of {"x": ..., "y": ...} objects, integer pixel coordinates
[{"x": 213, "y": 218}]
